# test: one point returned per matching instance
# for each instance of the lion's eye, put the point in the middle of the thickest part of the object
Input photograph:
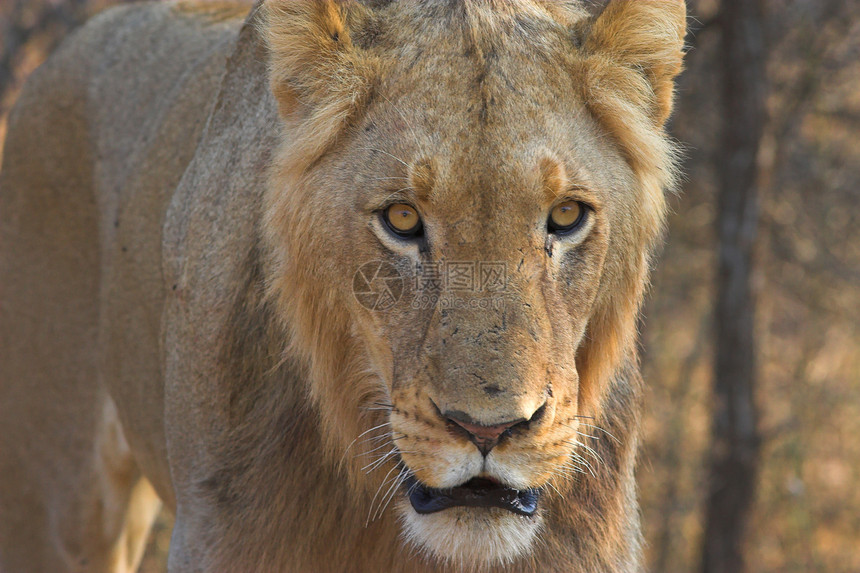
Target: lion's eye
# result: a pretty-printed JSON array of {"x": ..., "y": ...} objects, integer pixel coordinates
[
  {"x": 403, "y": 220},
  {"x": 566, "y": 217}
]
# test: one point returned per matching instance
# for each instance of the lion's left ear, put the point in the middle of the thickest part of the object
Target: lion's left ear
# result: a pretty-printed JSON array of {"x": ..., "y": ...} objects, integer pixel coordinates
[
  {"x": 319, "y": 77},
  {"x": 647, "y": 38},
  {"x": 629, "y": 58}
]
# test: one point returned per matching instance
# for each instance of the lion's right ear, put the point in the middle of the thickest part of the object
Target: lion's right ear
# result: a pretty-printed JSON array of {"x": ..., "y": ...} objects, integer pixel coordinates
[{"x": 320, "y": 79}]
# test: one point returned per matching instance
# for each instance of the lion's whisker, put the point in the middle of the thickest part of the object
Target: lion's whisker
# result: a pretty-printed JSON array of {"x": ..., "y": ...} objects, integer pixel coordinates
[
  {"x": 375, "y": 438},
  {"x": 598, "y": 428},
  {"x": 387, "y": 482},
  {"x": 390, "y": 178},
  {"x": 572, "y": 470},
  {"x": 602, "y": 430},
  {"x": 593, "y": 453},
  {"x": 572, "y": 464},
  {"x": 386, "y": 153},
  {"x": 550, "y": 484},
  {"x": 585, "y": 462},
  {"x": 381, "y": 485},
  {"x": 374, "y": 428},
  {"x": 376, "y": 464},
  {"x": 346, "y": 451},
  {"x": 379, "y": 490},
  {"x": 377, "y": 448},
  {"x": 412, "y": 488},
  {"x": 370, "y": 440},
  {"x": 389, "y": 495}
]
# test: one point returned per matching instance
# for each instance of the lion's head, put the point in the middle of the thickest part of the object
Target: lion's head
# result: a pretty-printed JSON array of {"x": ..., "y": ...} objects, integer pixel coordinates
[{"x": 497, "y": 169}]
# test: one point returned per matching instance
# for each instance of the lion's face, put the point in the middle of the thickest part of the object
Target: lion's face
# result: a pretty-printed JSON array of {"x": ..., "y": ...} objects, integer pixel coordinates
[
  {"x": 496, "y": 287},
  {"x": 448, "y": 259}
]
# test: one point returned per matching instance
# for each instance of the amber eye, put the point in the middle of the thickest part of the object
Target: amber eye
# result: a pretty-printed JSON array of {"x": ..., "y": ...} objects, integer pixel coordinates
[
  {"x": 403, "y": 220},
  {"x": 566, "y": 217}
]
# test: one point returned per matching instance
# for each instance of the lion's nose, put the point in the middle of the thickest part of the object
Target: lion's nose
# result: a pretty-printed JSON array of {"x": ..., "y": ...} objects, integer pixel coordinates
[{"x": 484, "y": 437}]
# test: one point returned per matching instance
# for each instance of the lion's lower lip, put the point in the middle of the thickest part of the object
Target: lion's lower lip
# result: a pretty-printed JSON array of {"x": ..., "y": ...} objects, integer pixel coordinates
[{"x": 474, "y": 493}]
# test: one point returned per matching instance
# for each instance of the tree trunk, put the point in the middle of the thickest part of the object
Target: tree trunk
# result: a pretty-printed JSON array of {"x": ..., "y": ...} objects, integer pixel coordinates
[{"x": 735, "y": 446}]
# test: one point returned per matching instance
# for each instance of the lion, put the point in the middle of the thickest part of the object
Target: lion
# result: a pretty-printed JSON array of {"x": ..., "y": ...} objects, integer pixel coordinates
[{"x": 346, "y": 285}]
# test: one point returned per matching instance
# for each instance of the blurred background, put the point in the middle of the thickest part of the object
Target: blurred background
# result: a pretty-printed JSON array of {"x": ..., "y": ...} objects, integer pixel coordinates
[{"x": 779, "y": 82}]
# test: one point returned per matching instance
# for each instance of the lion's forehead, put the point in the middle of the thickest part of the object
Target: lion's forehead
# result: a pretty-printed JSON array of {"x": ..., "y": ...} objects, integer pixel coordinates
[
  {"x": 484, "y": 142},
  {"x": 467, "y": 95},
  {"x": 507, "y": 58},
  {"x": 478, "y": 28}
]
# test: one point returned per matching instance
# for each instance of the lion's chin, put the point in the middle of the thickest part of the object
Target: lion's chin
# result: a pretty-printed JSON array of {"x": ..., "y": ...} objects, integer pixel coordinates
[{"x": 470, "y": 538}]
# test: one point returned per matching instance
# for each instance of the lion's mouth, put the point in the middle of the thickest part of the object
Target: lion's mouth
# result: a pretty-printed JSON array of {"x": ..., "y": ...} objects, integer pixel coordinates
[{"x": 477, "y": 492}]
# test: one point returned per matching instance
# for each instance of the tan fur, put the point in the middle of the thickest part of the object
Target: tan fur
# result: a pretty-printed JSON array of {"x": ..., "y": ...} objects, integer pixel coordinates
[{"x": 197, "y": 263}]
